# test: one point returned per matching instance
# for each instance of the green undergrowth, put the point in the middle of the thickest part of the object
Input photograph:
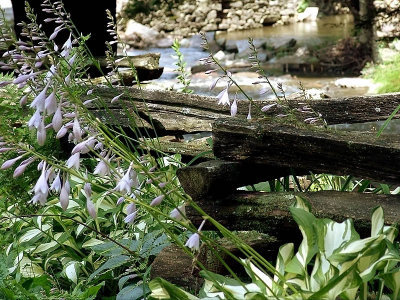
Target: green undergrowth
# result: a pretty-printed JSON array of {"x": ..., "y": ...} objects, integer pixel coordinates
[{"x": 386, "y": 74}]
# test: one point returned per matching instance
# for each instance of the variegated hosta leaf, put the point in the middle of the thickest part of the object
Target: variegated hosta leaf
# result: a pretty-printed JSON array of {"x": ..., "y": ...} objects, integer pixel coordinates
[
  {"x": 308, "y": 247},
  {"x": 377, "y": 221},
  {"x": 392, "y": 281},
  {"x": 369, "y": 273}
]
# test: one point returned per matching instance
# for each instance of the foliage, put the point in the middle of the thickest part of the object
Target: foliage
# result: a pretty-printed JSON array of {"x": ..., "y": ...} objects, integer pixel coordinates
[
  {"x": 332, "y": 262},
  {"x": 386, "y": 74},
  {"x": 135, "y": 7},
  {"x": 183, "y": 76}
]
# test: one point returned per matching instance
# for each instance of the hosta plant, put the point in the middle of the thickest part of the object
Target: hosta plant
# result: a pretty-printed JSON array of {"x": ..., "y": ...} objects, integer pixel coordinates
[{"x": 332, "y": 262}]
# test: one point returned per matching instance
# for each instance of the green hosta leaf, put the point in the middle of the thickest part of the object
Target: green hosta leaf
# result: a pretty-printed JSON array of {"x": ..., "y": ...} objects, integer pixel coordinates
[
  {"x": 133, "y": 292},
  {"x": 285, "y": 254},
  {"x": 377, "y": 221},
  {"x": 392, "y": 281},
  {"x": 263, "y": 280},
  {"x": 92, "y": 242},
  {"x": 110, "y": 264},
  {"x": 161, "y": 289}
]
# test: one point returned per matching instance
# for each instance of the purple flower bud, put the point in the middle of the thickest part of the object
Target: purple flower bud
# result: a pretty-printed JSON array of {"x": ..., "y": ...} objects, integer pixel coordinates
[
  {"x": 162, "y": 184},
  {"x": 57, "y": 119},
  {"x": 214, "y": 83},
  {"x": 2, "y": 150},
  {"x": 91, "y": 208},
  {"x": 63, "y": 131},
  {"x": 24, "y": 100},
  {"x": 88, "y": 189},
  {"x": 9, "y": 163},
  {"x": 64, "y": 198},
  {"x": 102, "y": 168},
  {"x": 76, "y": 130},
  {"x": 268, "y": 107},
  {"x": 116, "y": 98},
  {"x": 120, "y": 200},
  {"x": 89, "y": 92},
  {"x": 157, "y": 200},
  {"x": 22, "y": 167},
  {"x": 130, "y": 218},
  {"x": 131, "y": 208},
  {"x": 39, "y": 101}
]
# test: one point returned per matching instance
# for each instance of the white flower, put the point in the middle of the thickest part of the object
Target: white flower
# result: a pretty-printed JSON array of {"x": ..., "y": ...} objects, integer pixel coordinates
[
  {"x": 130, "y": 218},
  {"x": 178, "y": 213},
  {"x": 56, "y": 184},
  {"x": 41, "y": 133},
  {"x": 50, "y": 104},
  {"x": 102, "y": 168},
  {"x": 223, "y": 97},
  {"x": 193, "y": 242},
  {"x": 126, "y": 183},
  {"x": 57, "y": 119},
  {"x": 234, "y": 108},
  {"x": 73, "y": 161}
]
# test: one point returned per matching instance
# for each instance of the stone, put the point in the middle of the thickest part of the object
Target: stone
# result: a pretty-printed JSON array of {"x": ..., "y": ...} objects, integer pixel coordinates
[
  {"x": 165, "y": 42},
  {"x": 144, "y": 32},
  {"x": 212, "y": 15}
]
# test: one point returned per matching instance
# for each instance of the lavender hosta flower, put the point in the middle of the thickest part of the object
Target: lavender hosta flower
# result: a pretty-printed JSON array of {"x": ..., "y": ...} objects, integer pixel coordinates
[
  {"x": 41, "y": 188},
  {"x": 24, "y": 100},
  {"x": 268, "y": 107},
  {"x": 88, "y": 189},
  {"x": 9, "y": 163},
  {"x": 39, "y": 101},
  {"x": 91, "y": 208},
  {"x": 178, "y": 213},
  {"x": 41, "y": 133},
  {"x": 56, "y": 184},
  {"x": 157, "y": 200},
  {"x": 89, "y": 92},
  {"x": 129, "y": 219},
  {"x": 194, "y": 240},
  {"x": 224, "y": 97},
  {"x": 5, "y": 149},
  {"x": 126, "y": 183},
  {"x": 63, "y": 131},
  {"x": 5, "y": 83},
  {"x": 22, "y": 167},
  {"x": 24, "y": 78},
  {"x": 57, "y": 118},
  {"x": 102, "y": 168},
  {"x": 85, "y": 146},
  {"x": 76, "y": 130},
  {"x": 73, "y": 161},
  {"x": 162, "y": 184},
  {"x": 249, "y": 114},
  {"x": 214, "y": 83},
  {"x": 68, "y": 43},
  {"x": 72, "y": 60},
  {"x": 68, "y": 79},
  {"x": 120, "y": 200},
  {"x": 64, "y": 197},
  {"x": 50, "y": 104},
  {"x": 116, "y": 98}
]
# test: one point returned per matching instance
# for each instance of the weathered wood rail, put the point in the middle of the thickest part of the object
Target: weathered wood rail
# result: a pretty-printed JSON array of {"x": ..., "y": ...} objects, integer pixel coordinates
[{"x": 247, "y": 152}]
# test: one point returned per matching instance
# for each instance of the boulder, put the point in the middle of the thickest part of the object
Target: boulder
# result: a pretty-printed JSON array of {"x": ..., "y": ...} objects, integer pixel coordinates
[{"x": 135, "y": 31}]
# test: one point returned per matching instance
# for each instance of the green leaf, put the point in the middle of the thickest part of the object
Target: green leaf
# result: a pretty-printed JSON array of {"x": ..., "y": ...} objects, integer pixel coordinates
[
  {"x": 162, "y": 289},
  {"x": 377, "y": 221},
  {"x": 110, "y": 264},
  {"x": 133, "y": 292},
  {"x": 33, "y": 234}
]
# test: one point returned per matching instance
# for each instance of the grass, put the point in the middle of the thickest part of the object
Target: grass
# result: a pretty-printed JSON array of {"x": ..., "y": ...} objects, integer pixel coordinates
[{"x": 386, "y": 74}]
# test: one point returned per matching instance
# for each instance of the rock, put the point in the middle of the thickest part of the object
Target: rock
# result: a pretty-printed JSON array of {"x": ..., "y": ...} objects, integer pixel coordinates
[
  {"x": 220, "y": 55},
  {"x": 353, "y": 82},
  {"x": 230, "y": 46},
  {"x": 212, "y": 15},
  {"x": 165, "y": 42},
  {"x": 302, "y": 51},
  {"x": 145, "y": 34}
]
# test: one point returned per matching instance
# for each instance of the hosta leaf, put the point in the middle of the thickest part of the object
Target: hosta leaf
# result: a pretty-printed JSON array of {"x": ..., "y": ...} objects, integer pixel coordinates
[
  {"x": 369, "y": 273},
  {"x": 29, "y": 268},
  {"x": 161, "y": 289},
  {"x": 46, "y": 247},
  {"x": 110, "y": 264},
  {"x": 133, "y": 292},
  {"x": 308, "y": 246},
  {"x": 71, "y": 271},
  {"x": 33, "y": 234},
  {"x": 92, "y": 242},
  {"x": 392, "y": 281},
  {"x": 377, "y": 221}
]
